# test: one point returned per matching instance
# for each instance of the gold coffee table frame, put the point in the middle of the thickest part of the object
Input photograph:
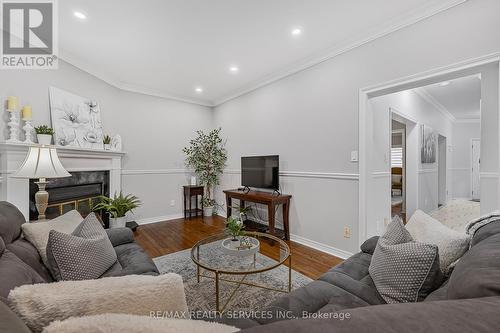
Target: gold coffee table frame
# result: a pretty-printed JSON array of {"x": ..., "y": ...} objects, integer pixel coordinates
[{"x": 195, "y": 256}]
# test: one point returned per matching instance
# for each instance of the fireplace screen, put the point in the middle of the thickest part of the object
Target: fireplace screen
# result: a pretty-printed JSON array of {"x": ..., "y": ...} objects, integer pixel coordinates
[{"x": 80, "y": 192}]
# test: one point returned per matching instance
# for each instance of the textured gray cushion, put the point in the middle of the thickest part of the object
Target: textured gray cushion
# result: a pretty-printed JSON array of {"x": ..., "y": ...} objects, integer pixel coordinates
[
  {"x": 85, "y": 254},
  {"x": 471, "y": 315},
  {"x": 10, "y": 322},
  {"x": 25, "y": 251},
  {"x": 477, "y": 274},
  {"x": 11, "y": 220},
  {"x": 404, "y": 270},
  {"x": 14, "y": 272},
  {"x": 119, "y": 236},
  {"x": 451, "y": 244}
]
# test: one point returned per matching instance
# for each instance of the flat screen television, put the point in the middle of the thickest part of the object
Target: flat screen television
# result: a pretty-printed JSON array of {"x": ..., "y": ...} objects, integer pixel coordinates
[{"x": 260, "y": 172}]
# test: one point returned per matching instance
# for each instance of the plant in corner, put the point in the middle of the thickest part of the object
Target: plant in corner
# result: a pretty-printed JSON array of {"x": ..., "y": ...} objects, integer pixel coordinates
[
  {"x": 44, "y": 134},
  {"x": 117, "y": 207},
  {"x": 107, "y": 142},
  {"x": 207, "y": 156}
]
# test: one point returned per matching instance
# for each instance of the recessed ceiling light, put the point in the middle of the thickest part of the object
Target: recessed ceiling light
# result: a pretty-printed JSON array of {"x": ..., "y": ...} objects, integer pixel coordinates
[
  {"x": 199, "y": 90},
  {"x": 444, "y": 84},
  {"x": 234, "y": 69},
  {"x": 80, "y": 15},
  {"x": 296, "y": 32}
]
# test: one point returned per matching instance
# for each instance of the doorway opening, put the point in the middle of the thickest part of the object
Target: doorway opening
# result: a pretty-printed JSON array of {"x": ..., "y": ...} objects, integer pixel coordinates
[
  {"x": 434, "y": 145},
  {"x": 398, "y": 168}
]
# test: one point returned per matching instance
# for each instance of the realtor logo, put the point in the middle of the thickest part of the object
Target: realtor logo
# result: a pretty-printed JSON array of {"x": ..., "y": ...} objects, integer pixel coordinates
[{"x": 29, "y": 34}]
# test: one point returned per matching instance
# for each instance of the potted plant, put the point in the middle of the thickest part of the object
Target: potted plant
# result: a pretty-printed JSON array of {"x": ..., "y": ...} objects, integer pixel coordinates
[
  {"x": 234, "y": 227},
  {"x": 44, "y": 134},
  {"x": 107, "y": 142},
  {"x": 207, "y": 156},
  {"x": 117, "y": 207}
]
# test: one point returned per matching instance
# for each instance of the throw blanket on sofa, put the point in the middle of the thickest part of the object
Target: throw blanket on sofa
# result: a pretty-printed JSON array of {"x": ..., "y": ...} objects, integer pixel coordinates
[{"x": 474, "y": 225}]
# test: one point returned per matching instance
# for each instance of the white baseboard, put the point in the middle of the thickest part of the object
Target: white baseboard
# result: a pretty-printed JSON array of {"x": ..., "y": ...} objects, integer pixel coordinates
[
  {"x": 157, "y": 219},
  {"x": 321, "y": 247}
]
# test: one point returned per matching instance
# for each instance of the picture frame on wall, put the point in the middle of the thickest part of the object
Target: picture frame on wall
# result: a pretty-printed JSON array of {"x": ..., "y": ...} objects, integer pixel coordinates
[
  {"x": 428, "y": 144},
  {"x": 76, "y": 120}
]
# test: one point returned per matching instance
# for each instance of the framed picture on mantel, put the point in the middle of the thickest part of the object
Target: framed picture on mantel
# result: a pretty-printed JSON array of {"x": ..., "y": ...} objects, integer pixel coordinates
[{"x": 76, "y": 120}]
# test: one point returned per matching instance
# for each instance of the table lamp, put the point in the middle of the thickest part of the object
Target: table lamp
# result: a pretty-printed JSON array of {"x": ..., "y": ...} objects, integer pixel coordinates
[{"x": 42, "y": 162}]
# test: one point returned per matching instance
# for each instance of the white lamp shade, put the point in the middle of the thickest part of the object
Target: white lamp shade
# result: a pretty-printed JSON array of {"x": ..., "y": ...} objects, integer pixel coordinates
[{"x": 42, "y": 162}]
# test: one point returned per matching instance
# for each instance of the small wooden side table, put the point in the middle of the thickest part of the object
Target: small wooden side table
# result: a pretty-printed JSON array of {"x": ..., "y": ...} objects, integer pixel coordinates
[{"x": 189, "y": 192}]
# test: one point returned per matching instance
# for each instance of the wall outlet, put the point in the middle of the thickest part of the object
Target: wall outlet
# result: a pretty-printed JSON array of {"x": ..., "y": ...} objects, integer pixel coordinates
[
  {"x": 387, "y": 221},
  {"x": 172, "y": 203},
  {"x": 347, "y": 232}
]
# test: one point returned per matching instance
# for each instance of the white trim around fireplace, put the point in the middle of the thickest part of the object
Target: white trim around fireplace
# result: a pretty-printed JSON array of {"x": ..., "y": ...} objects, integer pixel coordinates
[{"x": 16, "y": 190}]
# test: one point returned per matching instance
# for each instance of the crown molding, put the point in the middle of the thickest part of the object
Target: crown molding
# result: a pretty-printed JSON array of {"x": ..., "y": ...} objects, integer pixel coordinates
[
  {"x": 397, "y": 24},
  {"x": 115, "y": 82},
  {"x": 434, "y": 102}
]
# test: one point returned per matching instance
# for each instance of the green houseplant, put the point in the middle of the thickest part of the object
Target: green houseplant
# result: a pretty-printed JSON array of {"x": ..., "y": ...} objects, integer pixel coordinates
[
  {"x": 207, "y": 156},
  {"x": 44, "y": 134},
  {"x": 107, "y": 142},
  {"x": 117, "y": 207},
  {"x": 234, "y": 227}
]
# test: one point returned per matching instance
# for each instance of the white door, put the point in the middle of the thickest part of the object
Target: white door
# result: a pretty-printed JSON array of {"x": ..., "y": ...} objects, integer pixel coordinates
[{"x": 476, "y": 184}]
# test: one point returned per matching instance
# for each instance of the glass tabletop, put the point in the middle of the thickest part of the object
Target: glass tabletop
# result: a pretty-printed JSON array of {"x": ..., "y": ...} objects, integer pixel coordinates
[{"x": 257, "y": 253}]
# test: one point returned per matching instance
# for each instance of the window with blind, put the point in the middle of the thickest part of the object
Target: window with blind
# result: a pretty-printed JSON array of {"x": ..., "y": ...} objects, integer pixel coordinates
[{"x": 396, "y": 157}]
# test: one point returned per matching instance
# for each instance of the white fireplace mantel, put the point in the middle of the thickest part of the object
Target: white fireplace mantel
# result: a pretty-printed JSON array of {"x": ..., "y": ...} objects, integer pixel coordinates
[{"x": 16, "y": 190}]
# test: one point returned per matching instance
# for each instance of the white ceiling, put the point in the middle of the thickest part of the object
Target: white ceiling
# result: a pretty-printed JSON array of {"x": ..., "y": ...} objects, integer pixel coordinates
[
  {"x": 169, "y": 47},
  {"x": 461, "y": 98}
]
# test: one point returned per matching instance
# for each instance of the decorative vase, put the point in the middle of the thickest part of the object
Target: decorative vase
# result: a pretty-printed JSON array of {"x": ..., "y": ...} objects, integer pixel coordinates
[
  {"x": 208, "y": 211},
  {"x": 107, "y": 146},
  {"x": 44, "y": 139},
  {"x": 117, "y": 222}
]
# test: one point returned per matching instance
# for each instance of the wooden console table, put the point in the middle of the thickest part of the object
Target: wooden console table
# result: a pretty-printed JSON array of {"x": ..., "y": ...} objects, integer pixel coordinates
[
  {"x": 192, "y": 191},
  {"x": 271, "y": 200}
]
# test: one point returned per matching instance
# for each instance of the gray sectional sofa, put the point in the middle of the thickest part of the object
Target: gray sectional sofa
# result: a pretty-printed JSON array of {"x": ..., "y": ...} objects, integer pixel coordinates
[
  {"x": 467, "y": 301},
  {"x": 343, "y": 300},
  {"x": 20, "y": 262}
]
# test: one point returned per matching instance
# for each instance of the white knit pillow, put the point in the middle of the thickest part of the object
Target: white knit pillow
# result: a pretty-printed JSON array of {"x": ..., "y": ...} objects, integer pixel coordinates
[
  {"x": 40, "y": 304},
  {"x": 134, "y": 324},
  {"x": 451, "y": 244},
  {"x": 37, "y": 233}
]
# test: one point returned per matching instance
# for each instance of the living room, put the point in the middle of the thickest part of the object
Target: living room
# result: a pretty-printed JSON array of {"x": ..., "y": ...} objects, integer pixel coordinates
[{"x": 284, "y": 87}]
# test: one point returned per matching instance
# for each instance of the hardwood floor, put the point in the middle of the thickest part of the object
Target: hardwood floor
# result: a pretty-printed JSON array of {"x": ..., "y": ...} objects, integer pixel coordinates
[{"x": 171, "y": 236}]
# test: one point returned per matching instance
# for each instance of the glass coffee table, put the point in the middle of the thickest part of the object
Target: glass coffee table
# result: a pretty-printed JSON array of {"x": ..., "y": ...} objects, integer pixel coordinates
[{"x": 210, "y": 255}]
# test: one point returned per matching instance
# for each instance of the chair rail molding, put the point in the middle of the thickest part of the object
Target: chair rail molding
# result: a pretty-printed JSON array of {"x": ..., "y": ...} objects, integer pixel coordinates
[{"x": 307, "y": 174}]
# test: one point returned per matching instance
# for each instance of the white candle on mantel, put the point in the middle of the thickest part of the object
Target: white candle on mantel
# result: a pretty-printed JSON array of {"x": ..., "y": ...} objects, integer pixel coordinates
[
  {"x": 26, "y": 112},
  {"x": 12, "y": 103}
]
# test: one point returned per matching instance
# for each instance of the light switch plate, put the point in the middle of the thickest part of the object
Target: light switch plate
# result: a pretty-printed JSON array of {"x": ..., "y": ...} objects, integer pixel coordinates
[{"x": 354, "y": 156}]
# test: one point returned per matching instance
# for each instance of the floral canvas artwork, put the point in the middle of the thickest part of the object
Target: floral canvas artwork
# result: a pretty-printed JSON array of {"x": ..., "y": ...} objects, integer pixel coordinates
[{"x": 76, "y": 120}]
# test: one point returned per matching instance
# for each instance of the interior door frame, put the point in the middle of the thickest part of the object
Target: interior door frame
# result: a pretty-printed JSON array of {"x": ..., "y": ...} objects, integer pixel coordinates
[
  {"x": 405, "y": 83},
  {"x": 472, "y": 165}
]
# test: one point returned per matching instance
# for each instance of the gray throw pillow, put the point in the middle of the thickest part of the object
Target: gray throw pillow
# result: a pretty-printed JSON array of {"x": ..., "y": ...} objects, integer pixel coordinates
[
  {"x": 403, "y": 270},
  {"x": 85, "y": 254}
]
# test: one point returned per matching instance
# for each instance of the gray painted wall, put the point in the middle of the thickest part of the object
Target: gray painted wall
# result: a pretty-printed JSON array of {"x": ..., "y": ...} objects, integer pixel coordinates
[{"x": 310, "y": 119}]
